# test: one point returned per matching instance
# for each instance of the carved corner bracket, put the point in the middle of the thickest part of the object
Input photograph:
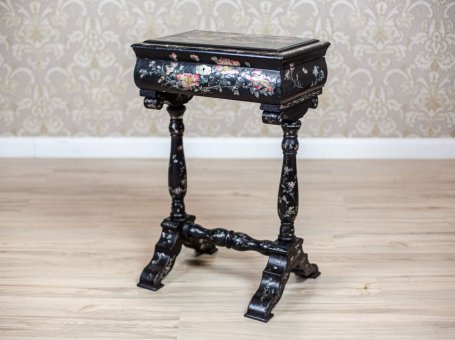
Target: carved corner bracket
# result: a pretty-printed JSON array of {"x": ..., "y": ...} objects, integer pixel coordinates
[
  {"x": 292, "y": 110},
  {"x": 156, "y": 99}
]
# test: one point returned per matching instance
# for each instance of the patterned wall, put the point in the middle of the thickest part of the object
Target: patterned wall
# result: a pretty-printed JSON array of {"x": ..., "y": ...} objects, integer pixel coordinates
[{"x": 66, "y": 65}]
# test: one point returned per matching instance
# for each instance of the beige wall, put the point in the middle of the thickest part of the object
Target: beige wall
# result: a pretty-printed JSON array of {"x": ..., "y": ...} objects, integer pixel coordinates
[{"x": 66, "y": 66}]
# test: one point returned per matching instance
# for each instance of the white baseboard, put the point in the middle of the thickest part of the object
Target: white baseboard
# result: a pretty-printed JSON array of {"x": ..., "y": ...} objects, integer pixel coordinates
[{"x": 246, "y": 148}]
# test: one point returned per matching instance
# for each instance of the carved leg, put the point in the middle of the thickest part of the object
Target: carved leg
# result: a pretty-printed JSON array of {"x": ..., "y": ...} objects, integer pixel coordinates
[
  {"x": 279, "y": 267},
  {"x": 171, "y": 240},
  {"x": 288, "y": 193},
  {"x": 178, "y": 179},
  {"x": 288, "y": 197}
]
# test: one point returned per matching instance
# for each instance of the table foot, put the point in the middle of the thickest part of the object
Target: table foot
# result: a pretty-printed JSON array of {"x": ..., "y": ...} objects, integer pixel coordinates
[
  {"x": 259, "y": 316},
  {"x": 306, "y": 269},
  {"x": 166, "y": 251},
  {"x": 207, "y": 248},
  {"x": 201, "y": 246},
  {"x": 275, "y": 277},
  {"x": 150, "y": 287}
]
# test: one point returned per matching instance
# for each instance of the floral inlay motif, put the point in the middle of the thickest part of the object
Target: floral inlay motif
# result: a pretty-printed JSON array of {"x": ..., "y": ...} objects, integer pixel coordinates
[
  {"x": 188, "y": 80},
  {"x": 205, "y": 78},
  {"x": 225, "y": 61},
  {"x": 300, "y": 77},
  {"x": 318, "y": 74},
  {"x": 173, "y": 56}
]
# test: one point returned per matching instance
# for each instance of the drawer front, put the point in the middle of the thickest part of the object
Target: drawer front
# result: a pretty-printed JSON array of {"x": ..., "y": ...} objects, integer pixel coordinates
[{"x": 212, "y": 80}]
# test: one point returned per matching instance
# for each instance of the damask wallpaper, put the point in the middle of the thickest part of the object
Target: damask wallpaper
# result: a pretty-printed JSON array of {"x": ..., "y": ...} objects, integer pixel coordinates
[{"x": 66, "y": 66}]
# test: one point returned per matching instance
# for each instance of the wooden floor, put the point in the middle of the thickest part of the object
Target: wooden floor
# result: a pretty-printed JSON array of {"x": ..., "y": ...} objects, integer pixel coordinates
[{"x": 75, "y": 234}]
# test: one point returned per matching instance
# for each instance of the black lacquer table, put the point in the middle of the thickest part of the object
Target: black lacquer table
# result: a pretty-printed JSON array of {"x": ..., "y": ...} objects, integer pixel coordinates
[{"x": 285, "y": 75}]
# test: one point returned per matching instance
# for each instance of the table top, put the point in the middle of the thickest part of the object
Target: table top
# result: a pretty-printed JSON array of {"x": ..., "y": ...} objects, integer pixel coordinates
[
  {"x": 250, "y": 50},
  {"x": 253, "y": 42}
]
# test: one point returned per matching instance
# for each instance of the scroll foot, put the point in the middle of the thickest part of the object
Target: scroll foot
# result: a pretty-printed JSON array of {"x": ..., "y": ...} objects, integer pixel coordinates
[
  {"x": 273, "y": 281},
  {"x": 306, "y": 269},
  {"x": 275, "y": 277},
  {"x": 166, "y": 251},
  {"x": 201, "y": 246}
]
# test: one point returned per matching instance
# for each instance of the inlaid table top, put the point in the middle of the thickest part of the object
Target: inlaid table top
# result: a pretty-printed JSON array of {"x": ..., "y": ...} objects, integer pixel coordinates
[{"x": 233, "y": 40}]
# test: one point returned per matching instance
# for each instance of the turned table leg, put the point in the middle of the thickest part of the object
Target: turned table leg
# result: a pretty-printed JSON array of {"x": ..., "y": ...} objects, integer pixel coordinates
[
  {"x": 170, "y": 243},
  {"x": 288, "y": 193},
  {"x": 279, "y": 266}
]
